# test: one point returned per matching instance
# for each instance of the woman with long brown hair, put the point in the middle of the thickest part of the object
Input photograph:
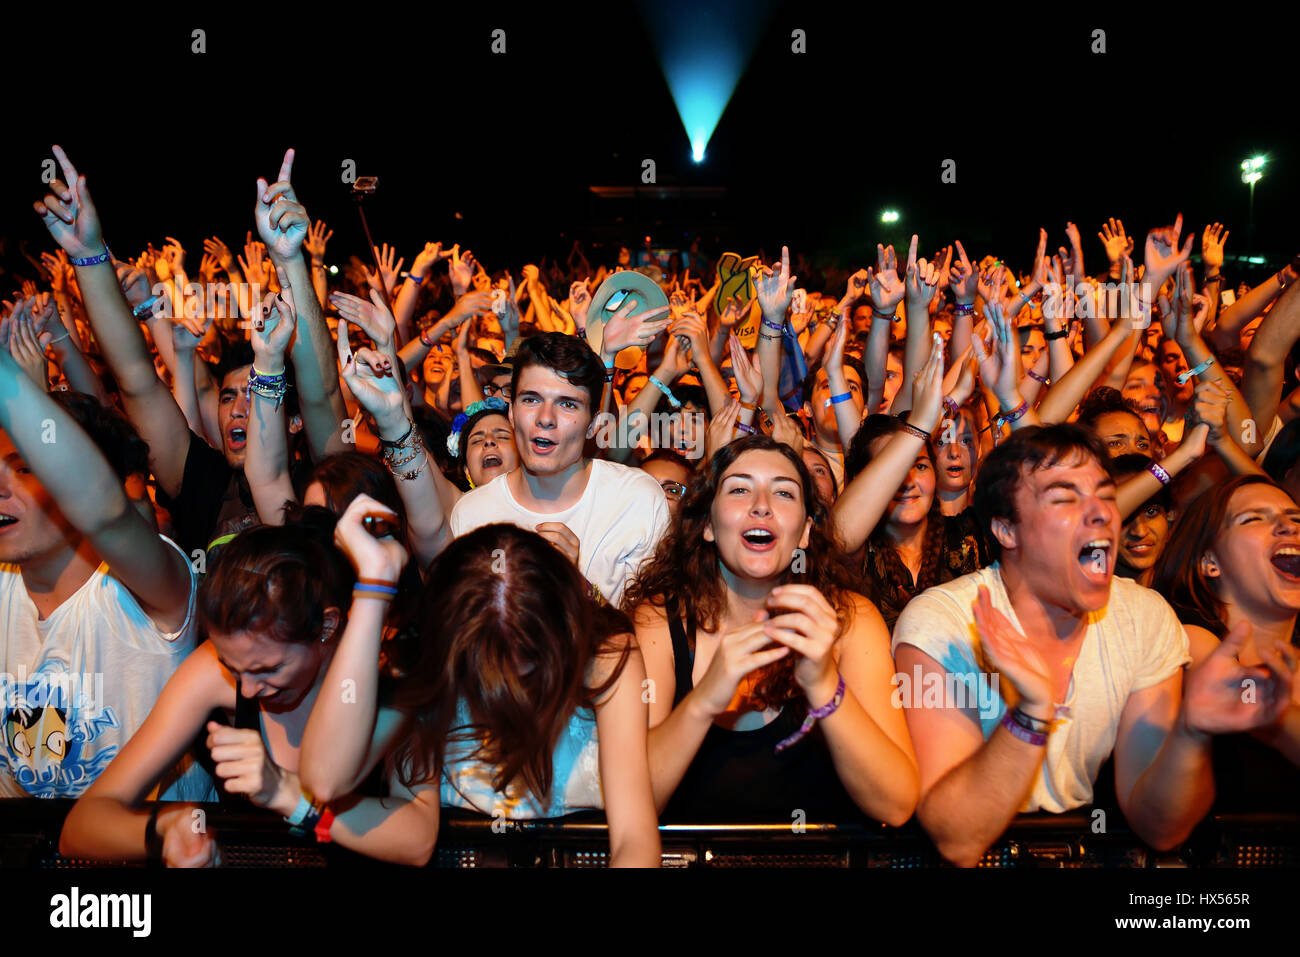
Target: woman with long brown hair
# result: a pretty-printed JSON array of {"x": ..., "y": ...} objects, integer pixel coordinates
[
  {"x": 1231, "y": 571},
  {"x": 521, "y": 697},
  {"x": 770, "y": 679}
]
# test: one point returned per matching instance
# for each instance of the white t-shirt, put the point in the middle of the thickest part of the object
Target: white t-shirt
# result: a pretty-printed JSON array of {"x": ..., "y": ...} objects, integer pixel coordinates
[
  {"x": 618, "y": 521},
  {"x": 100, "y": 660},
  {"x": 1133, "y": 643}
]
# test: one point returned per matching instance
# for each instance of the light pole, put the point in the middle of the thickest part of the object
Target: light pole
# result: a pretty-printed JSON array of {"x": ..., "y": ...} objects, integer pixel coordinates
[{"x": 1252, "y": 170}]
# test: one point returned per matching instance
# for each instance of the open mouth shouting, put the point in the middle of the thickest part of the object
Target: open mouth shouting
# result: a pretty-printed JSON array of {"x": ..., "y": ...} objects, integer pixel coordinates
[
  {"x": 1095, "y": 560},
  {"x": 1286, "y": 559},
  {"x": 7, "y": 522},
  {"x": 491, "y": 461},
  {"x": 758, "y": 539},
  {"x": 238, "y": 438}
]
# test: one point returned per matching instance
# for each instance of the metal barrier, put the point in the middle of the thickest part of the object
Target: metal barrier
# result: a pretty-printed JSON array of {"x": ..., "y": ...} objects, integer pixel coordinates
[{"x": 29, "y": 838}]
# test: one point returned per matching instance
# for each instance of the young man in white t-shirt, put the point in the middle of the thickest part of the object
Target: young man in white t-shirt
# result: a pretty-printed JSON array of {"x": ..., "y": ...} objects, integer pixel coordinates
[
  {"x": 607, "y": 518},
  {"x": 1083, "y": 663},
  {"x": 95, "y": 606}
]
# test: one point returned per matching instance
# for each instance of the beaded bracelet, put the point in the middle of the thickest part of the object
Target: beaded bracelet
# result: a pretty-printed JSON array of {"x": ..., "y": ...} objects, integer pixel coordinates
[
  {"x": 825, "y": 711},
  {"x": 672, "y": 399},
  {"x": 911, "y": 429},
  {"x": 1158, "y": 471}
]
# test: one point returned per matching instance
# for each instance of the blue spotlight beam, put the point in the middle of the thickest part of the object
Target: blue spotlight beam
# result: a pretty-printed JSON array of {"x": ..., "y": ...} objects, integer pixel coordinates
[{"x": 703, "y": 53}]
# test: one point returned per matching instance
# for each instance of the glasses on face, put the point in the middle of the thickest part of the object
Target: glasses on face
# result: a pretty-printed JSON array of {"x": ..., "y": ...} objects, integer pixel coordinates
[
  {"x": 492, "y": 389},
  {"x": 673, "y": 490}
]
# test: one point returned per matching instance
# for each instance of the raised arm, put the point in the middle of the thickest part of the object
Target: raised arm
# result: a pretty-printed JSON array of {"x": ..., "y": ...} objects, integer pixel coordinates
[
  {"x": 266, "y": 463},
  {"x": 69, "y": 214},
  {"x": 774, "y": 290},
  {"x": 866, "y": 498},
  {"x": 1262, "y": 379},
  {"x": 282, "y": 222},
  {"x": 921, "y": 283},
  {"x": 75, "y": 475}
]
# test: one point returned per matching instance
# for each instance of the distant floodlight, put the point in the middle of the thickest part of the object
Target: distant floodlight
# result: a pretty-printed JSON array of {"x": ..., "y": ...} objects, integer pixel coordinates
[
  {"x": 697, "y": 148},
  {"x": 1252, "y": 170},
  {"x": 334, "y": 270},
  {"x": 889, "y": 216}
]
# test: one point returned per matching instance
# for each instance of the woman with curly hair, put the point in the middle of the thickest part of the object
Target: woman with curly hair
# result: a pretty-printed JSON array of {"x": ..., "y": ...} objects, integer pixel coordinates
[{"x": 769, "y": 678}]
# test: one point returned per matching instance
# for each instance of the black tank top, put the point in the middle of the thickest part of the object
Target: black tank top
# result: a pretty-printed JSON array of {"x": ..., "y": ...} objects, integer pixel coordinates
[{"x": 738, "y": 776}]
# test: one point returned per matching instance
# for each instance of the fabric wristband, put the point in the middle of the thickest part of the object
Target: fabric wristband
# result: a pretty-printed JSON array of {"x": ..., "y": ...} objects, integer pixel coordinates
[
  {"x": 747, "y": 429},
  {"x": 322, "y": 827},
  {"x": 672, "y": 399},
  {"x": 1058, "y": 334},
  {"x": 1158, "y": 471},
  {"x": 300, "y": 812},
  {"x": 1182, "y": 377},
  {"x": 1024, "y": 734},
  {"x": 964, "y": 310},
  {"x": 825, "y": 711},
  {"x": 1037, "y": 378},
  {"x": 91, "y": 260}
]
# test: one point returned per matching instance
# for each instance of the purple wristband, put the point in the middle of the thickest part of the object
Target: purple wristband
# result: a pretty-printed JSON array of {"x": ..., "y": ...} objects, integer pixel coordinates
[
  {"x": 1024, "y": 734},
  {"x": 1155, "y": 469},
  {"x": 951, "y": 405},
  {"x": 825, "y": 711}
]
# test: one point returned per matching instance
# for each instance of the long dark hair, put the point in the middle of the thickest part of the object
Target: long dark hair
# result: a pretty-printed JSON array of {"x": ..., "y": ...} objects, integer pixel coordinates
[
  {"x": 685, "y": 566},
  {"x": 1178, "y": 576},
  {"x": 508, "y": 627},
  {"x": 888, "y": 581}
]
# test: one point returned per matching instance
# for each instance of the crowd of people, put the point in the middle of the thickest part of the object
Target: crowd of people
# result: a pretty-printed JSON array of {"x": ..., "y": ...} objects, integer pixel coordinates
[{"x": 932, "y": 539}]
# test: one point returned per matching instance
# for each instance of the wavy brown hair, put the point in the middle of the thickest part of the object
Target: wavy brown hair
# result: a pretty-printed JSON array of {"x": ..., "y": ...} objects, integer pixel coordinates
[
  {"x": 686, "y": 567},
  {"x": 510, "y": 628}
]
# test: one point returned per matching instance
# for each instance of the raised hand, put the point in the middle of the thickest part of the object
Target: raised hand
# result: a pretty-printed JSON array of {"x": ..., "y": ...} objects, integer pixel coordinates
[
  {"x": 579, "y": 302},
  {"x": 370, "y": 378},
  {"x": 461, "y": 269},
  {"x": 371, "y": 557},
  {"x": 1014, "y": 658},
  {"x": 282, "y": 221},
  {"x": 174, "y": 255},
  {"x": 274, "y": 321},
  {"x": 1115, "y": 240},
  {"x": 731, "y": 313},
  {"x": 373, "y": 318},
  {"x": 426, "y": 258},
  {"x": 786, "y": 432},
  {"x": 774, "y": 289},
  {"x": 961, "y": 278},
  {"x": 887, "y": 290},
  {"x": 747, "y": 369},
  {"x": 922, "y": 279},
  {"x": 316, "y": 239},
  {"x": 927, "y": 389},
  {"x": 623, "y": 329},
  {"x": 69, "y": 213},
  {"x": 1163, "y": 255},
  {"x": 208, "y": 267},
  {"x": 219, "y": 251},
  {"x": 1210, "y": 408},
  {"x": 387, "y": 269},
  {"x": 1212, "y": 241},
  {"x": 23, "y": 345},
  {"x": 254, "y": 265},
  {"x": 858, "y": 286},
  {"x": 59, "y": 269}
]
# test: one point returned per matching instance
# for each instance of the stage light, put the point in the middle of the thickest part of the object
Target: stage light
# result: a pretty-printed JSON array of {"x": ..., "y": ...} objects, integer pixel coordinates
[
  {"x": 1252, "y": 170},
  {"x": 703, "y": 53},
  {"x": 889, "y": 216},
  {"x": 334, "y": 270}
]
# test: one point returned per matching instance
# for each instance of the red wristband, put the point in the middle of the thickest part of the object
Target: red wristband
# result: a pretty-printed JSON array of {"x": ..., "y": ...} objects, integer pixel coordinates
[{"x": 323, "y": 826}]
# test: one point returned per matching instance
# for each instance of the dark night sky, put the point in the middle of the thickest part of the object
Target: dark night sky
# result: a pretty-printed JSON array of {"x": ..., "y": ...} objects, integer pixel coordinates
[{"x": 810, "y": 149}]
